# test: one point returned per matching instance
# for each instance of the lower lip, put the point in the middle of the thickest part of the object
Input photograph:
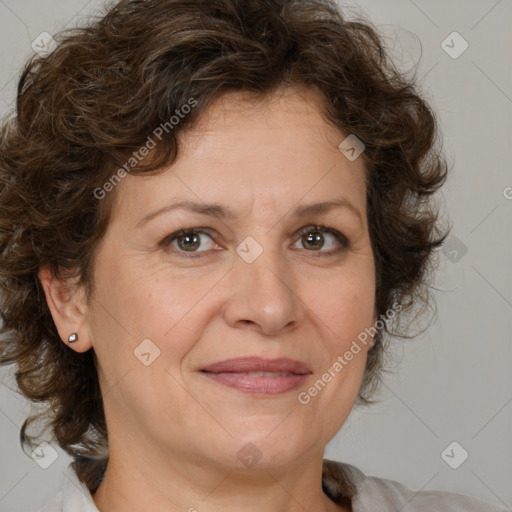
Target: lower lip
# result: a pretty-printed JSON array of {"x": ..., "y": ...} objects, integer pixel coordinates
[{"x": 258, "y": 385}]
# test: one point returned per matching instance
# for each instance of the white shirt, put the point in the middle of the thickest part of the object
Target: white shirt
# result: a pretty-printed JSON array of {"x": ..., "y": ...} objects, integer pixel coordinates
[{"x": 368, "y": 494}]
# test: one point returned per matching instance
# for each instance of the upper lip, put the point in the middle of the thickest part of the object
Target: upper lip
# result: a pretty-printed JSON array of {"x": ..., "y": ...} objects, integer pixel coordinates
[{"x": 258, "y": 364}]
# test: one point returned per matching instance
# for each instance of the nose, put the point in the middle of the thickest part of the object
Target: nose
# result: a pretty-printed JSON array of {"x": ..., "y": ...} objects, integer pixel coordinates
[{"x": 263, "y": 296}]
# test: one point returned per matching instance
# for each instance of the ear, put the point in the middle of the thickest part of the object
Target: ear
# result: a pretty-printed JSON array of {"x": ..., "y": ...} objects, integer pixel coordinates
[{"x": 68, "y": 307}]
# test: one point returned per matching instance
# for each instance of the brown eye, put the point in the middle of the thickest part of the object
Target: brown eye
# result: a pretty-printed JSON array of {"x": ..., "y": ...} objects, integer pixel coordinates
[
  {"x": 322, "y": 239},
  {"x": 313, "y": 240},
  {"x": 188, "y": 241}
]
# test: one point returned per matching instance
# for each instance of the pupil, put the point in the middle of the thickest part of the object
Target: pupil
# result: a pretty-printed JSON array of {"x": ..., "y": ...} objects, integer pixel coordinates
[
  {"x": 190, "y": 241},
  {"x": 315, "y": 240}
]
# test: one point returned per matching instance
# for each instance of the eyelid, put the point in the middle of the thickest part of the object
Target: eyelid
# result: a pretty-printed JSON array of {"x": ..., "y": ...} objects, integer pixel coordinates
[
  {"x": 340, "y": 237},
  {"x": 167, "y": 240}
]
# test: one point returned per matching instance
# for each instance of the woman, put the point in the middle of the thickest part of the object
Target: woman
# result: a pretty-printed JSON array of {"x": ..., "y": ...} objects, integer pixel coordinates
[{"x": 211, "y": 214}]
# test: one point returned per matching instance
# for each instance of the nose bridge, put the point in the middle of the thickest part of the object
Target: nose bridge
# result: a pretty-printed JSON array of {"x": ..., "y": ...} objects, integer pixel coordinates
[{"x": 262, "y": 287}]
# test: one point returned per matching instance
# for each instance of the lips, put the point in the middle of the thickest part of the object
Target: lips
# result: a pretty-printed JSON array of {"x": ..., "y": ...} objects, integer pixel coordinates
[
  {"x": 257, "y": 364},
  {"x": 259, "y": 376}
]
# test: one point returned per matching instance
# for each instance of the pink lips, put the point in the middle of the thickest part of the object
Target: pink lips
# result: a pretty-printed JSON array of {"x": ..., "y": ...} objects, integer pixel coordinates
[{"x": 236, "y": 373}]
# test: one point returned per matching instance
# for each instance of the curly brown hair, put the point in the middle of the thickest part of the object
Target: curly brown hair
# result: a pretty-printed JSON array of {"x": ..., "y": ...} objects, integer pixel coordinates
[{"x": 83, "y": 109}]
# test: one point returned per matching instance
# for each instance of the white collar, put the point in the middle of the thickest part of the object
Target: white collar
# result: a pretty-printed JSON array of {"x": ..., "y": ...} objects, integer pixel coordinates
[{"x": 76, "y": 497}]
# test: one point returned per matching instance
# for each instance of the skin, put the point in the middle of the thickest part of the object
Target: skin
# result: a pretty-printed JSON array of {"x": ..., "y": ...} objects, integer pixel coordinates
[{"x": 174, "y": 434}]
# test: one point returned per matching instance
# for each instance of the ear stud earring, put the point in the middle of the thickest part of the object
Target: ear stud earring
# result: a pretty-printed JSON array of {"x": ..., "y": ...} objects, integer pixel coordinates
[{"x": 72, "y": 337}]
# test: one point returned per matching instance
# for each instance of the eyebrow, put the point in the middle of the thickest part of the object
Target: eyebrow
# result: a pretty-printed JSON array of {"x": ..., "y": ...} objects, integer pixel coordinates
[{"x": 224, "y": 213}]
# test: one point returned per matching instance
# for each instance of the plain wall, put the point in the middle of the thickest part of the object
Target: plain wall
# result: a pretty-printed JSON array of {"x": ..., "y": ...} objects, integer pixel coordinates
[{"x": 453, "y": 383}]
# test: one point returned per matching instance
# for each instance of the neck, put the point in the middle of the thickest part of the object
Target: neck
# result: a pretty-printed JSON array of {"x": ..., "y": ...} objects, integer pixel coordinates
[{"x": 184, "y": 484}]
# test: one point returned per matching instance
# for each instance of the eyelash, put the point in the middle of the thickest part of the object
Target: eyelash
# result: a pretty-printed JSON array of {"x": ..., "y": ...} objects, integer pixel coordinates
[{"x": 345, "y": 244}]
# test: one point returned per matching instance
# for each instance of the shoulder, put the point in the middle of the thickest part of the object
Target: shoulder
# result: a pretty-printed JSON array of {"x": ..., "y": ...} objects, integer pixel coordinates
[
  {"x": 56, "y": 502},
  {"x": 369, "y": 493},
  {"x": 55, "y": 505},
  {"x": 395, "y": 494},
  {"x": 72, "y": 496}
]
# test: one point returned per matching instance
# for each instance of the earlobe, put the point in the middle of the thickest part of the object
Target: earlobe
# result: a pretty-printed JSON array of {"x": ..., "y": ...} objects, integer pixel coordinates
[{"x": 66, "y": 302}]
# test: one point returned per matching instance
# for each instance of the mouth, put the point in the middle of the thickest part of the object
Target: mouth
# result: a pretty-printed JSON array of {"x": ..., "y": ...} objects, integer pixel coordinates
[{"x": 258, "y": 376}]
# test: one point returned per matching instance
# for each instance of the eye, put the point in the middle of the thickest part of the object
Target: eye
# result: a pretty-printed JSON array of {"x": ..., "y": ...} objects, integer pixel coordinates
[
  {"x": 321, "y": 239},
  {"x": 313, "y": 238},
  {"x": 188, "y": 241}
]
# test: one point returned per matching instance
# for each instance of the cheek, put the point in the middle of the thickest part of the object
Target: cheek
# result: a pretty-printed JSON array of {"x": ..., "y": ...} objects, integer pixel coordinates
[
  {"x": 153, "y": 303},
  {"x": 344, "y": 303},
  {"x": 142, "y": 298}
]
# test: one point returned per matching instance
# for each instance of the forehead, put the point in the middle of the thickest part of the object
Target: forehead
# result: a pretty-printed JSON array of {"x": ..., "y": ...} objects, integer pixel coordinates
[
  {"x": 273, "y": 149},
  {"x": 280, "y": 118}
]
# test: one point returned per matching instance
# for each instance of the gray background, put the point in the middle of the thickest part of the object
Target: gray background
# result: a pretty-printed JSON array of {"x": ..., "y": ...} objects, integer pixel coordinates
[{"x": 454, "y": 381}]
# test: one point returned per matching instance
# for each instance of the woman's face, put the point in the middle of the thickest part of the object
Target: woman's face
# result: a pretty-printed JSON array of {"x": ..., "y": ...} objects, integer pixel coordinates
[{"x": 245, "y": 283}]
